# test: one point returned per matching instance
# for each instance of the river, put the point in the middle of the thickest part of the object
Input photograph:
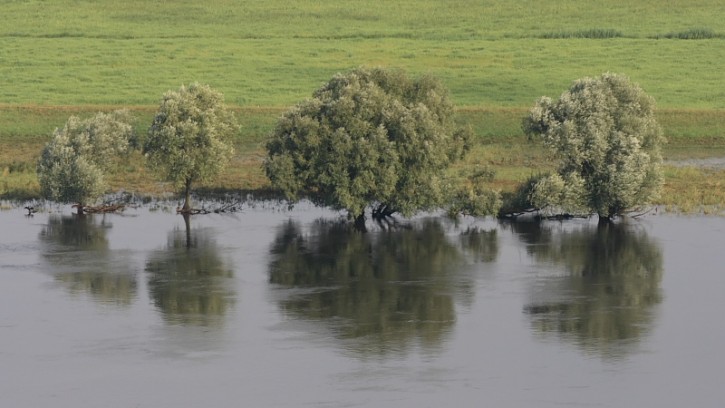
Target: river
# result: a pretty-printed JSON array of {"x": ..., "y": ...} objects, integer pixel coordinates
[{"x": 294, "y": 308}]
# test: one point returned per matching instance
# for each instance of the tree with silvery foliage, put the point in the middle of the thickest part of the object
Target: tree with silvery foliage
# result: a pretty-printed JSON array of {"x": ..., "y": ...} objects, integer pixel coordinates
[
  {"x": 604, "y": 133},
  {"x": 73, "y": 165}
]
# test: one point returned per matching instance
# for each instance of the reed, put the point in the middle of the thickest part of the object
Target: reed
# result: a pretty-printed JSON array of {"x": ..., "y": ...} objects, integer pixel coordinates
[
  {"x": 595, "y": 33},
  {"x": 693, "y": 34}
]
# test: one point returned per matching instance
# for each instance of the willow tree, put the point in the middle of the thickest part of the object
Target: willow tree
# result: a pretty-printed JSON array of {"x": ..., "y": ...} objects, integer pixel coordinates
[
  {"x": 604, "y": 132},
  {"x": 189, "y": 140},
  {"x": 72, "y": 165},
  {"x": 368, "y": 138}
]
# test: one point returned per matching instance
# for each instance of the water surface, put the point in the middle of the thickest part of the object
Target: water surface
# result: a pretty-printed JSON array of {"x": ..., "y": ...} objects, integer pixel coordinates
[{"x": 295, "y": 308}]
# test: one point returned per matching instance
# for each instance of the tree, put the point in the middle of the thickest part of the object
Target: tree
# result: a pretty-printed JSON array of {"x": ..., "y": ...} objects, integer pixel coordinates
[
  {"x": 190, "y": 138},
  {"x": 72, "y": 165},
  {"x": 608, "y": 141},
  {"x": 473, "y": 197},
  {"x": 371, "y": 137}
]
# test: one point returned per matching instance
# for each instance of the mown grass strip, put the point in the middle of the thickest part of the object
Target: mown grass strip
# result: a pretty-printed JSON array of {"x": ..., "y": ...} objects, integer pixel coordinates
[
  {"x": 280, "y": 72},
  {"x": 333, "y": 19}
]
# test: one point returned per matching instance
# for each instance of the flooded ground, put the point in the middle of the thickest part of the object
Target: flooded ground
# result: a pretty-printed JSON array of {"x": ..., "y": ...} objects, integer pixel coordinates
[
  {"x": 705, "y": 163},
  {"x": 269, "y": 308}
]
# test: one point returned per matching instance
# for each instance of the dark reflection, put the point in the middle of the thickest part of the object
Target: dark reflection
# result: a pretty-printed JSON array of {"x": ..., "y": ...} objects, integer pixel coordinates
[
  {"x": 531, "y": 233},
  {"x": 79, "y": 258},
  {"x": 605, "y": 300},
  {"x": 480, "y": 243},
  {"x": 382, "y": 289},
  {"x": 188, "y": 281}
]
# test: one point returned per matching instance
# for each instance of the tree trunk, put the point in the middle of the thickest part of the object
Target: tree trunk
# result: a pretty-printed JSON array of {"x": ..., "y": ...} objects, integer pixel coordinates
[
  {"x": 382, "y": 211},
  {"x": 360, "y": 223},
  {"x": 187, "y": 197},
  {"x": 79, "y": 209},
  {"x": 604, "y": 219}
]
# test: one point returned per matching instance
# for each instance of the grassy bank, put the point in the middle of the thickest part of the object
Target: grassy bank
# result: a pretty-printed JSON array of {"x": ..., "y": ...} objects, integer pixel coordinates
[
  {"x": 66, "y": 57},
  {"x": 688, "y": 189},
  {"x": 500, "y": 145}
]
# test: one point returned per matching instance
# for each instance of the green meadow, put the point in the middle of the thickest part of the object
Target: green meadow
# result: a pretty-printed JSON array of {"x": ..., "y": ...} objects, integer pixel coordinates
[{"x": 496, "y": 57}]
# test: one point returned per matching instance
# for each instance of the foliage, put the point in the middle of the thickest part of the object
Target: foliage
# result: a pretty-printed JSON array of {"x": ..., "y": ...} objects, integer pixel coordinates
[
  {"x": 368, "y": 137},
  {"x": 607, "y": 139},
  {"x": 475, "y": 200},
  {"x": 519, "y": 200},
  {"x": 190, "y": 138},
  {"x": 548, "y": 193},
  {"x": 72, "y": 165},
  {"x": 474, "y": 197}
]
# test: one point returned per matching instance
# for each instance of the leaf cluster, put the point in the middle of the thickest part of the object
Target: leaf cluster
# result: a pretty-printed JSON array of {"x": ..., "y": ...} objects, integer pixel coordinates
[
  {"x": 190, "y": 137},
  {"x": 604, "y": 132},
  {"x": 72, "y": 165},
  {"x": 368, "y": 137}
]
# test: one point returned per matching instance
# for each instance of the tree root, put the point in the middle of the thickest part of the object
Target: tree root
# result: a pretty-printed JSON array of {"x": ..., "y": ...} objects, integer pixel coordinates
[
  {"x": 104, "y": 209},
  {"x": 226, "y": 208}
]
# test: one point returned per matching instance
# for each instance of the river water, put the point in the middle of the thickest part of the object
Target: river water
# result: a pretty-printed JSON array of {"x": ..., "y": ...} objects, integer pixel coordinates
[{"x": 271, "y": 308}]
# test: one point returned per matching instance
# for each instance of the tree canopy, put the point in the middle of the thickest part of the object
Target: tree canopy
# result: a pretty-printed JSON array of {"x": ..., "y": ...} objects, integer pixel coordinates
[
  {"x": 604, "y": 132},
  {"x": 369, "y": 137},
  {"x": 72, "y": 165},
  {"x": 190, "y": 138}
]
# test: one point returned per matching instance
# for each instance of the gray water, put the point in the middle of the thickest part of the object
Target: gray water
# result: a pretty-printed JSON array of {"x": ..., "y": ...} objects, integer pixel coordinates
[{"x": 269, "y": 308}]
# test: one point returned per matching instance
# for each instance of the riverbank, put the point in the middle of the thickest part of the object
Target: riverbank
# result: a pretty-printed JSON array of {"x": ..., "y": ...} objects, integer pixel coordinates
[{"x": 696, "y": 138}]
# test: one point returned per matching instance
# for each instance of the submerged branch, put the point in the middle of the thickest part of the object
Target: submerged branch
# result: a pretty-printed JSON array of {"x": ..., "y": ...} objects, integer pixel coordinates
[
  {"x": 383, "y": 211},
  {"x": 230, "y": 207},
  {"x": 104, "y": 209}
]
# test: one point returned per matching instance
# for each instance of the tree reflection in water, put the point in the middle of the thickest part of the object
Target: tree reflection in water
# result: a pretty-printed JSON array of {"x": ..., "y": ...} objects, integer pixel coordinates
[
  {"x": 604, "y": 303},
  {"x": 382, "y": 290},
  {"x": 481, "y": 244},
  {"x": 79, "y": 257},
  {"x": 188, "y": 281}
]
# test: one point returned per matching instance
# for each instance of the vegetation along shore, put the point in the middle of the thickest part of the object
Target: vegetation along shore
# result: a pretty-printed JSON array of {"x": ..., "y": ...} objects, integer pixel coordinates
[{"x": 495, "y": 58}]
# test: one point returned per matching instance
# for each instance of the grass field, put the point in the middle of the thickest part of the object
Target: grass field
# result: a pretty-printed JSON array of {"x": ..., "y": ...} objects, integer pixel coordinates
[
  {"x": 273, "y": 53},
  {"x": 496, "y": 57},
  {"x": 280, "y": 72}
]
